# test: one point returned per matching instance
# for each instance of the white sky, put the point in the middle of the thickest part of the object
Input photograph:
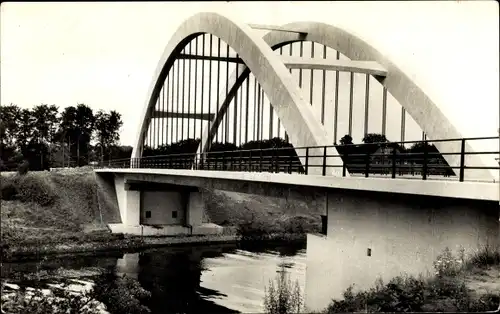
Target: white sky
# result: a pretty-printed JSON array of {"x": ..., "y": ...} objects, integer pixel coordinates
[{"x": 104, "y": 54}]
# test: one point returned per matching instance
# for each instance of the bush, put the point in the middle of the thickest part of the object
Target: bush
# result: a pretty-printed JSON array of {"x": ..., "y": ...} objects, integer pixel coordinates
[
  {"x": 448, "y": 265},
  {"x": 31, "y": 188},
  {"x": 59, "y": 302},
  {"x": 251, "y": 230},
  {"x": 8, "y": 191},
  {"x": 484, "y": 257},
  {"x": 445, "y": 292},
  {"x": 282, "y": 298},
  {"x": 121, "y": 294},
  {"x": 23, "y": 168}
]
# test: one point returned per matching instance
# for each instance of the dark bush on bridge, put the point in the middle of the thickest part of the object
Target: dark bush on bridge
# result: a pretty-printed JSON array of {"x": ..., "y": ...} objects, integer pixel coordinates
[
  {"x": 178, "y": 155},
  {"x": 266, "y": 155},
  {"x": 377, "y": 154}
]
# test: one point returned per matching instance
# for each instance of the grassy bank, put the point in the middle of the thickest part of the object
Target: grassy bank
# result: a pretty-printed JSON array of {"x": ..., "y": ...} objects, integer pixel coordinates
[
  {"x": 54, "y": 212},
  {"x": 460, "y": 284}
]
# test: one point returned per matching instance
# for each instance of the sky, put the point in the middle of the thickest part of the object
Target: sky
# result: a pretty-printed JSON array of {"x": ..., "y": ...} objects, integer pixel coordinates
[{"x": 104, "y": 54}]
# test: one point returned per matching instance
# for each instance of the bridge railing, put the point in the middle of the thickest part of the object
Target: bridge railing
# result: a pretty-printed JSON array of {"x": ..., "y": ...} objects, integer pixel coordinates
[{"x": 374, "y": 159}]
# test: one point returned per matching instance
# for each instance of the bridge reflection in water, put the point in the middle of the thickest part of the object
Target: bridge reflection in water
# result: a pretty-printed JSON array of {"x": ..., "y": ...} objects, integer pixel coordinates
[
  {"x": 223, "y": 278},
  {"x": 211, "y": 279}
]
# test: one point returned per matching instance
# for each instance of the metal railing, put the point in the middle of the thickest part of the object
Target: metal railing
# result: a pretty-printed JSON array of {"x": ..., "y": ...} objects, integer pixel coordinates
[{"x": 376, "y": 159}]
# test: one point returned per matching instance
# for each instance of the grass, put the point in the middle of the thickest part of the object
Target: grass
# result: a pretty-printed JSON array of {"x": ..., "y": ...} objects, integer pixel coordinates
[
  {"x": 44, "y": 207},
  {"x": 460, "y": 284},
  {"x": 282, "y": 296},
  {"x": 261, "y": 217}
]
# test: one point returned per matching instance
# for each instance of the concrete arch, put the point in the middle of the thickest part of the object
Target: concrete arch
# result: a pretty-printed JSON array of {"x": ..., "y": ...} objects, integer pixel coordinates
[
  {"x": 420, "y": 107},
  {"x": 275, "y": 79},
  {"x": 286, "y": 97}
]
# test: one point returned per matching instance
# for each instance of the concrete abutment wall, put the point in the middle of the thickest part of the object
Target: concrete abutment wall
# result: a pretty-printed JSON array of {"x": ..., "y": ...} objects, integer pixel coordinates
[
  {"x": 151, "y": 209},
  {"x": 374, "y": 235}
]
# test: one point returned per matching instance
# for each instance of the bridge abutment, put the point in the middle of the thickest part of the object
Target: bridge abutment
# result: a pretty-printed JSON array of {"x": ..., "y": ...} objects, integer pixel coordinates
[
  {"x": 149, "y": 208},
  {"x": 384, "y": 235}
]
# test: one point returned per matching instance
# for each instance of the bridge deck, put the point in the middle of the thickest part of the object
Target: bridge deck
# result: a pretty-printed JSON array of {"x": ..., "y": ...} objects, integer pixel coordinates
[{"x": 466, "y": 190}]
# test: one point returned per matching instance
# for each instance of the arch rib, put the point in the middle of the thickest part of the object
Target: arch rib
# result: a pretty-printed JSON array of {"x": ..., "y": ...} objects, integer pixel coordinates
[
  {"x": 284, "y": 94},
  {"x": 273, "y": 76}
]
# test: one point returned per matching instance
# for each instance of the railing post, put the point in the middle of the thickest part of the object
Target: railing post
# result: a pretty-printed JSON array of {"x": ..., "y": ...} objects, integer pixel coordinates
[
  {"x": 462, "y": 160},
  {"x": 241, "y": 158},
  {"x": 307, "y": 161},
  {"x": 250, "y": 160},
  {"x": 424, "y": 164},
  {"x": 274, "y": 164},
  {"x": 223, "y": 161},
  {"x": 260, "y": 159},
  {"x": 394, "y": 162},
  {"x": 367, "y": 164},
  {"x": 344, "y": 164},
  {"x": 290, "y": 161},
  {"x": 324, "y": 161}
]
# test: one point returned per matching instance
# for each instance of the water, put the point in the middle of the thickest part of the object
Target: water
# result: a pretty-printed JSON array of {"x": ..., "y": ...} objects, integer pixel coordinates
[{"x": 195, "y": 279}]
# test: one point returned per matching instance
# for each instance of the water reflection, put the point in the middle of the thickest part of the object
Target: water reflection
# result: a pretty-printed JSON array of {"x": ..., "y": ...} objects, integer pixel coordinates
[{"x": 196, "y": 279}]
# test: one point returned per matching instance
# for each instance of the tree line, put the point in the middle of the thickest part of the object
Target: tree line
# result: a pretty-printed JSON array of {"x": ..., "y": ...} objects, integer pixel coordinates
[
  {"x": 182, "y": 154},
  {"x": 45, "y": 136},
  {"x": 375, "y": 151}
]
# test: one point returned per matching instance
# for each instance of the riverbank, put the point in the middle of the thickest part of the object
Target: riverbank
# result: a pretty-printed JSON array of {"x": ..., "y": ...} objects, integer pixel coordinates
[
  {"x": 125, "y": 243},
  {"x": 61, "y": 212}
]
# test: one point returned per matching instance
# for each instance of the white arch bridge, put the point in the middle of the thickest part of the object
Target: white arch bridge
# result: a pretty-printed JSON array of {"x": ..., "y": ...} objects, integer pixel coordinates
[{"x": 306, "y": 110}]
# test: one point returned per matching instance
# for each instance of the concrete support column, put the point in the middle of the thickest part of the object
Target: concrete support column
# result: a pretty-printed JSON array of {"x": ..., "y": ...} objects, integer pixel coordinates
[
  {"x": 195, "y": 209},
  {"x": 133, "y": 208},
  {"x": 129, "y": 203},
  {"x": 384, "y": 235}
]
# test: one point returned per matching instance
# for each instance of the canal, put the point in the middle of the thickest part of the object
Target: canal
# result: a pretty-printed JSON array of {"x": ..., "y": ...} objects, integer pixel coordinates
[{"x": 228, "y": 278}]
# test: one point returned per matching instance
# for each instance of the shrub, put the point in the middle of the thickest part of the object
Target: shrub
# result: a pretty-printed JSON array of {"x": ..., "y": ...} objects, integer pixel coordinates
[
  {"x": 59, "y": 302},
  {"x": 8, "y": 191},
  {"x": 484, "y": 257},
  {"x": 23, "y": 168},
  {"x": 251, "y": 230},
  {"x": 31, "y": 188},
  {"x": 121, "y": 294},
  {"x": 444, "y": 292},
  {"x": 401, "y": 294},
  {"x": 448, "y": 265},
  {"x": 282, "y": 298}
]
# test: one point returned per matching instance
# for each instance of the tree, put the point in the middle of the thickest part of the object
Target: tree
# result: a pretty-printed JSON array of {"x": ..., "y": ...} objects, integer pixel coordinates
[
  {"x": 107, "y": 126},
  {"x": 85, "y": 126},
  {"x": 371, "y": 138},
  {"x": 45, "y": 122},
  {"x": 10, "y": 117},
  {"x": 25, "y": 131},
  {"x": 346, "y": 140},
  {"x": 76, "y": 127}
]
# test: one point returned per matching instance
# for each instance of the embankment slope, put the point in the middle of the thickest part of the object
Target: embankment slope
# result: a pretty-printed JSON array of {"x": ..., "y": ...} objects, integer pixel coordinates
[{"x": 45, "y": 207}]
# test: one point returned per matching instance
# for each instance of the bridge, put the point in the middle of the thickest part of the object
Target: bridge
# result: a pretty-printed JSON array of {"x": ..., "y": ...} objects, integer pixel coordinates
[{"x": 279, "y": 114}]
